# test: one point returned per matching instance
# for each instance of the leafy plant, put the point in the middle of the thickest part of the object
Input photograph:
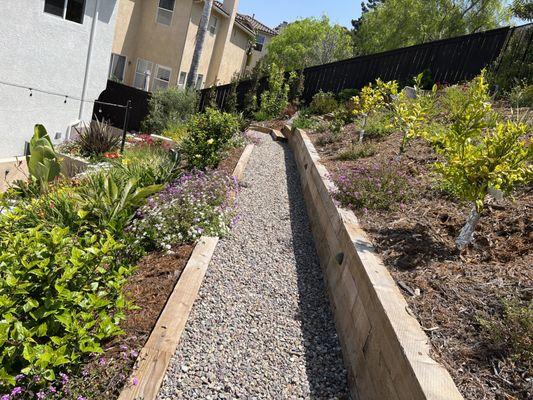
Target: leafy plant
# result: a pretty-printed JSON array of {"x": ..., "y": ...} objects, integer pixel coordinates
[
  {"x": 380, "y": 187},
  {"x": 97, "y": 138},
  {"x": 168, "y": 108},
  {"x": 323, "y": 103},
  {"x": 230, "y": 103},
  {"x": 346, "y": 95},
  {"x": 209, "y": 134},
  {"x": 510, "y": 332},
  {"x": 372, "y": 99},
  {"x": 43, "y": 162},
  {"x": 110, "y": 201},
  {"x": 304, "y": 120},
  {"x": 198, "y": 203},
  {"x": 479, "y": 153},
  {"x": 521, "y": 95},
  {"x": 355, "y": 152},
  {"x": 60, "y": 297},
  {"x": 379, "y": 124},
  {"x": 275, "y": 99},
  {"x": 296, "y": 86}
]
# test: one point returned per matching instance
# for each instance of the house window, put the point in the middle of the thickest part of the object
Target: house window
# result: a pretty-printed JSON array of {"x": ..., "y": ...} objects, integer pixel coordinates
[
  {"x": 213, "y": 25},
  {"x": 142, "y": 73},
  {"x": 199, "y": 82},
  {"x": 183, "y": 79},
  {"x": 165, "y": 10},
  {"x": 117, "y": 68},
  {"x": 260, "y": 42},
  {"x": 72, "y": 10},
  {"x": 161, "y": 78}
]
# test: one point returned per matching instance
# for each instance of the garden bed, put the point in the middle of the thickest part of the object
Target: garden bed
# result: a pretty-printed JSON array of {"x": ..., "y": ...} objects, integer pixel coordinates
[{"x": 457, "y": 297}]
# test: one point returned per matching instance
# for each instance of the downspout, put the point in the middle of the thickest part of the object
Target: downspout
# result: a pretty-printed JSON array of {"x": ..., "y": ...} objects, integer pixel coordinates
[{"x": 89, "y": 55}]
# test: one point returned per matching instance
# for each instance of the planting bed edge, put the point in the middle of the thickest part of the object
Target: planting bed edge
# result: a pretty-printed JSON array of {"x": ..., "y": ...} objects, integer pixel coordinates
[{"x": 386, "y": 352}]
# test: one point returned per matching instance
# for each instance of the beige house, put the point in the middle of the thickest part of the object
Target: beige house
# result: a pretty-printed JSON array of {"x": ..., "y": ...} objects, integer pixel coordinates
[{"x": 155, "y": 40}]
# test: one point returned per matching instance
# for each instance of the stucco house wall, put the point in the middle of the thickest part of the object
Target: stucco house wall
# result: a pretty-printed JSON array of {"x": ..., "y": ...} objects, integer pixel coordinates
[
  {"x": 43, "y": 51},
  {"x": 258, "y": 55}
]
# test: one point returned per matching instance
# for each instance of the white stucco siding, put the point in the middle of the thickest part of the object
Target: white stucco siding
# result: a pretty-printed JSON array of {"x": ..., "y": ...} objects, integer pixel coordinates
[{"x": 46, "y": 52}]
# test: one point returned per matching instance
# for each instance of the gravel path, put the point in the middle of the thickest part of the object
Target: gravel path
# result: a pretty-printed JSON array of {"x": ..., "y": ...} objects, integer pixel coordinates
[{"x": 261, "y": 327}]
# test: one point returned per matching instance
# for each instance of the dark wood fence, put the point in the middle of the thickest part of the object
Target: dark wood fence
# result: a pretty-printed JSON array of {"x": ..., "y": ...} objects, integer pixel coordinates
[
  {"x": 117, "y": 93},
  {"x": 450, "y": 61}
]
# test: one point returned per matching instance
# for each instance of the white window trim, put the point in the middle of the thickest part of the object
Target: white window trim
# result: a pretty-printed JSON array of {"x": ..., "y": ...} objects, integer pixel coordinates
[
  {"x": 198, "y": 87},
  {"x": 262, "y": 44},
  {"x": 155, "y": 78},
  {"x": 171, "y": 18},
  {"x": 64, "y": 16},
  {"x": 138, "y": 73},
  {"x": 125, "y": 66},
  {"x": 184, "y": 81}
]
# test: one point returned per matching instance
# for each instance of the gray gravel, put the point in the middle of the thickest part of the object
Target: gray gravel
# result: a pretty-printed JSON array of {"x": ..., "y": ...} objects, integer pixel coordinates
[{"x": 261, "y": 327}]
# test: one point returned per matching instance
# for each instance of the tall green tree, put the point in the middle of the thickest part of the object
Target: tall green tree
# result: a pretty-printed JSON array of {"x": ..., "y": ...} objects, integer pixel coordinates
[
  {"x": 308, "y": 42},
  {"x": 523, "y": 9},
  {"x": 399, "y": 23}
]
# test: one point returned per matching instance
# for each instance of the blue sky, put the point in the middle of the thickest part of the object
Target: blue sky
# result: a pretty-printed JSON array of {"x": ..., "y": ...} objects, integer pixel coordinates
[{"x": 273, "y": 12}]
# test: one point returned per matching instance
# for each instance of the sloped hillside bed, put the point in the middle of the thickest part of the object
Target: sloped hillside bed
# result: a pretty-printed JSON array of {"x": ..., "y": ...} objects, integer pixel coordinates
[{"x": 458, "y": 298}]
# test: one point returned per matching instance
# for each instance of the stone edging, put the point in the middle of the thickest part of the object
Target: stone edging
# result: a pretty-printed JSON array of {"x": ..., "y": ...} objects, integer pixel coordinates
[
  {"x": 386, "y": 352},
  {"x": 154, "y": 358}
]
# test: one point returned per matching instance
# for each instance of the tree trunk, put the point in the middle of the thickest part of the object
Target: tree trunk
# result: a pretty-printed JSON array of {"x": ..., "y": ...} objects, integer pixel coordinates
[
  {"x": 362, "y": 131},
  {"x": 200, "y": 39},
  {"x": 466, "y": 236}
]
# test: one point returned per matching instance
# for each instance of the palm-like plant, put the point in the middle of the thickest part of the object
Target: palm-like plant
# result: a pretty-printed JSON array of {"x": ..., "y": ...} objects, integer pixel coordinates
[
  {"x": 200, "y": 39},
  {"x": 96, "y": 139}
]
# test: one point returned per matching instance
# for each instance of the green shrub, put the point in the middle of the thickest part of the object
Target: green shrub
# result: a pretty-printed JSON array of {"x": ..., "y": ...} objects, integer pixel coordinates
[
  {"x": 510, "y": 332},
  {"x": 60, "y": 298},
  {"x": 323, "y": 103},
  {"x": 97, "y": 138},
  {"x": 168, "y": 108},
  {"x": 355, "y": 152},
  {"x": 209, "y": 134},
  {"x": 379, "y": 124},
  {"x": 346, "y": 95},
  {"x": 177, "y": 132},
  {"x": 521, "y": 95},
  {"x": 275, "y": 99},
  {"x": 304, "y": 121},
  {"x": 230, "y": 103},
  {"x": 296, "y": 87},
  {"x": 380, "y": 187}
]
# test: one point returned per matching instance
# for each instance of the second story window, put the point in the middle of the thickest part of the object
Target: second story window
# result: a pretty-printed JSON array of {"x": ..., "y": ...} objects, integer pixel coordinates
[
  {"x": 259, "y": 42},
  {"x": 165, "y": 10},
  {"x": 72, "y": 10},
  {"x": 213, "y": 25}
]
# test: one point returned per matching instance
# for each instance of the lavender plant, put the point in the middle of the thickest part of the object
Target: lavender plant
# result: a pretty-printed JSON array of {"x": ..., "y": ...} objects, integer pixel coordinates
[{"x": 196, "y": 204}]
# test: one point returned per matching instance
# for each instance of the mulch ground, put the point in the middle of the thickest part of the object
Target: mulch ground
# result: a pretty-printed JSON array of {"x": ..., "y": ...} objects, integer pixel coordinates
[
  {"x": 148, "y": 290},
  {"x": 451, "y": 292}
]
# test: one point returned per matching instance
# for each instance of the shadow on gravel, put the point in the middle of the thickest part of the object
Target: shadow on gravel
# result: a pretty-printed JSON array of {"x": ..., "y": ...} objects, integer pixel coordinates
[{"x": 324, "y": 365}]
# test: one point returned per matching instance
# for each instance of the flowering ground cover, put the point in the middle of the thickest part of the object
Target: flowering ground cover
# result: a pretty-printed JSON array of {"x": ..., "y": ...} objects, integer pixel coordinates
[{"x": 475, "y": 304}]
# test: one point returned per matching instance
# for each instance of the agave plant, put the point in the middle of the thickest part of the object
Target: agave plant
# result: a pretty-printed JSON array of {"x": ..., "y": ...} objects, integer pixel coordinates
[{"x": 96, "y": 139}]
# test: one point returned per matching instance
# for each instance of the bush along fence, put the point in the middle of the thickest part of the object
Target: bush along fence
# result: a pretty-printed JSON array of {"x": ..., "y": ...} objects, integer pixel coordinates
[{"x": 449, "y": 61}]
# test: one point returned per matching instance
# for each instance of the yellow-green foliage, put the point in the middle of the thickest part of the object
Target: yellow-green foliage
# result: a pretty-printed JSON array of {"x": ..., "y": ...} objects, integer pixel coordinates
[
  {"x": 479, "y": 152},
  {"x": 177, "y": 132},
  {"x": 372, "y": 98}
]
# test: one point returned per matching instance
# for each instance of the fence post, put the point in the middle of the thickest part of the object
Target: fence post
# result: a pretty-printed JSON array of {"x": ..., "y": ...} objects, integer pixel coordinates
[{"x": 126, "y": 120}]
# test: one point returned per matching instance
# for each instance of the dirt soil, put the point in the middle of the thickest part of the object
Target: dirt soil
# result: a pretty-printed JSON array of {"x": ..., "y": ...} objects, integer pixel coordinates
[{"x": 450, "y": 292}]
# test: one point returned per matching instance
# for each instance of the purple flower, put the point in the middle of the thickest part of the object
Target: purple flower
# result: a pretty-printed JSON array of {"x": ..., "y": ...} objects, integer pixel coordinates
[
  {"x": 16, "y": 391},
  {"x": 101, "y": 361},
  {"x": 52, "y": 389},
  {"x": 134, "y": 353},
  {"x": 135, "y": 381},
  {"x": 20, "y": 377},
  {"x": 64, "y": 378},
  {"x": 123, "y": 347},
  {"x": 40, "y": 395},
  {"x": 84, "y": 373},
  {"x": 81, "y": 398},
  {"x": 5, "y": 397}
]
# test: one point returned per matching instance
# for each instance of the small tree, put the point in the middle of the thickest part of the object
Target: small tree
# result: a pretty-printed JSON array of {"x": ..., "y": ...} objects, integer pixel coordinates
[
  {"x": 275, "y": 99},
  {"x": 168, "y": 108},
  {"x": 296, "y": 87},
  {"x": 411, "y": 114},
  {"x": 230, "y": 104},
  {"x": 479, "y": 153},
  {"x": 372, "y": 99}
]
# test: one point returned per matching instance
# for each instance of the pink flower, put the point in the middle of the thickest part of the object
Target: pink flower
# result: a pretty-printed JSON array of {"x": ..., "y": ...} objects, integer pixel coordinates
[{"x": 135, "y": 381}]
